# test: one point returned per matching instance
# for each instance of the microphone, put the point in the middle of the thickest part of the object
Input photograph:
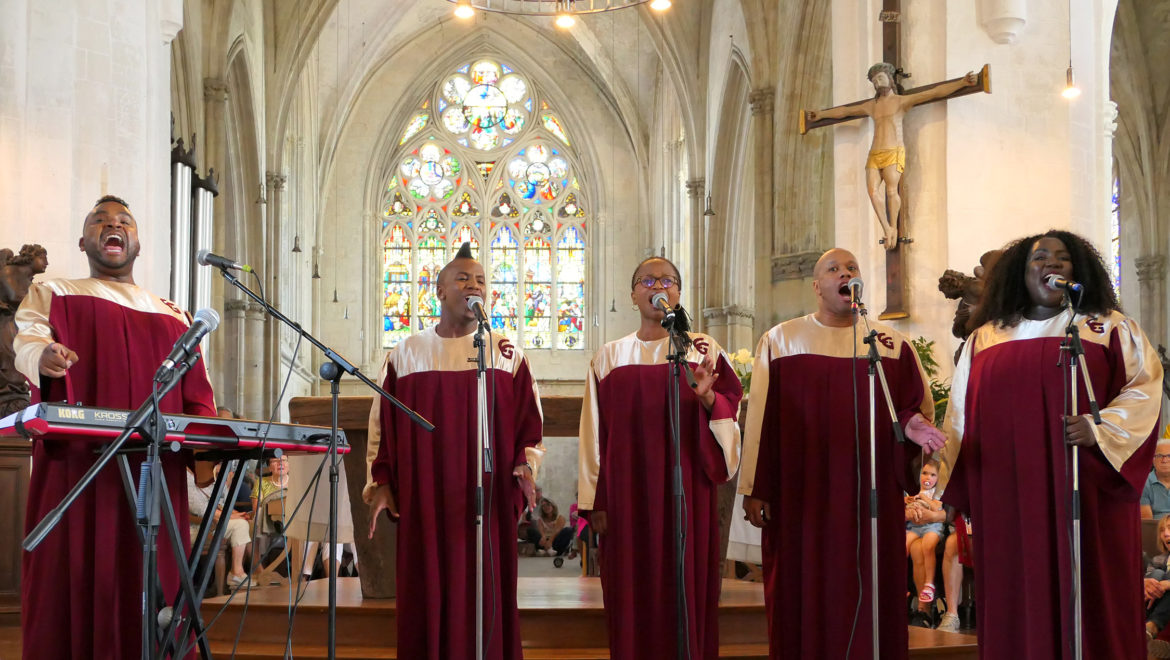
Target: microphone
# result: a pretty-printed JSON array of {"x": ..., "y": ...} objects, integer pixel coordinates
[
  {"x": 659, "y": 302},
  {"x": 475, "y": 304},
  {"x": 855, "y": 286},
  {"x": 205, "y": 321},
  {"x": 206, "y": 258},
  {"x": 1055, "y": 281}
]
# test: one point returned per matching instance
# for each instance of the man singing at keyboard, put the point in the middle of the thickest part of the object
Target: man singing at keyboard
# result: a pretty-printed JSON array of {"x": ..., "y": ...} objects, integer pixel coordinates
[{"x": 97, "y": 342}]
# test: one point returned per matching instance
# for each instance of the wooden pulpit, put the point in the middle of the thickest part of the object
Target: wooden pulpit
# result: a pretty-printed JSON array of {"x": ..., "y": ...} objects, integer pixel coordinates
[{"x": 375, "y": 557}]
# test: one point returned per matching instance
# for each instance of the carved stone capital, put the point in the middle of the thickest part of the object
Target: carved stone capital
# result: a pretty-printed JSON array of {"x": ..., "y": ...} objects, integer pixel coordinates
[
  {"x": 1110, "y": 116},
  {"x": 1151, "y": 268},
  {"x": 695, "y": 187},
  {"x": 215, "y": 89},
  {"x": 234, "y": 308},
  {"x": 763, "y": 100},
  {"x": 794, "y": 266},
  {"x": 276, "y": 181},
  {"x": 729, "y": 314},
  {"x": 254, "y": 311}
]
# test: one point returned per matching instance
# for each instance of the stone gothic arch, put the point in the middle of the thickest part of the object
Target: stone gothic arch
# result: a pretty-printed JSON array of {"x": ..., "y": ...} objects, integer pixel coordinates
[{"x": 727, "y": 304}]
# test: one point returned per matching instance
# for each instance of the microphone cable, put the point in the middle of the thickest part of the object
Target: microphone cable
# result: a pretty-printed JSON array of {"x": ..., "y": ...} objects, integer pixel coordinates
[
  {"x": 491, "y": 412},
  {"x": 673, "y": 410},
  {"x": 857, "y": 456}
]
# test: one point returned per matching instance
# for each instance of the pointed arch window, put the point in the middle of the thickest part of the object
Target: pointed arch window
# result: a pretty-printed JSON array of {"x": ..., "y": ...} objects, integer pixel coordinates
[{"x": 484, "y": 159}]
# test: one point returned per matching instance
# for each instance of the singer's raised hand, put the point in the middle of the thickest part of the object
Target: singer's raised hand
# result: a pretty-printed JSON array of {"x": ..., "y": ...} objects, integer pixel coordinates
[
  {"x": 55, "y": 359},
  {"x": 924, "y": 434},
  {"x": 383, "y": 501},
  {"x": 705, "y": 377}
]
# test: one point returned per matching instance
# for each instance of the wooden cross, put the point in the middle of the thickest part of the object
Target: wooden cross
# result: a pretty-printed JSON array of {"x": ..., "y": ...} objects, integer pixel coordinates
[{"x": 887, "y": 157}]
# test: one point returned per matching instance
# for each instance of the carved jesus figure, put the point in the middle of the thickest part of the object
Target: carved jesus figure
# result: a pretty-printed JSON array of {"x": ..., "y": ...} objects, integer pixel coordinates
[{"x": 887, "y": 155}]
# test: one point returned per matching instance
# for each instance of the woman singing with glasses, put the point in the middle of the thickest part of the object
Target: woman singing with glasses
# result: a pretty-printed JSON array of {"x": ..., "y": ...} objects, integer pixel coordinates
[{"x": 626, "y": 465}]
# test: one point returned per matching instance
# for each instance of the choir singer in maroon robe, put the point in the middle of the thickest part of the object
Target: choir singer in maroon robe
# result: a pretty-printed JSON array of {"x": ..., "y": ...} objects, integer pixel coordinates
[
  {"x": 626, "y": 463},
  {"x": 426, "y": 481},
  {"x": 97, "y": 341},
  {"x": 1013, "y": 468},
  {"x": 805, "y": 476}
]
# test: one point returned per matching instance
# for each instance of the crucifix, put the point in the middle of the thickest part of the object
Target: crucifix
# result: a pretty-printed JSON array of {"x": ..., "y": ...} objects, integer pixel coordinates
[{"x": 887, "y": 156}]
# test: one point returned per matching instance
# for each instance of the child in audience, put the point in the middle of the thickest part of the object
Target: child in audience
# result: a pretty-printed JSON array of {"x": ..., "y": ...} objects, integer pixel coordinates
[
  {"x": 924, "y": 528},
  {"x": 1156, "y": 586}
]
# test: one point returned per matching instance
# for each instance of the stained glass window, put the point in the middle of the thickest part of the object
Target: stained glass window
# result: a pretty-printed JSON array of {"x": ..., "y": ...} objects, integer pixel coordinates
[
  {"x": 537, "y": 293},
  {"x": 432, "y": 256},
  {"x": 505, "y": 290},
  {"x": 524, "y": 204},
  {"x": 570, "y": 288},
  {"x": 1115, "y": 236},
  {"x": 395, "y": 287}
]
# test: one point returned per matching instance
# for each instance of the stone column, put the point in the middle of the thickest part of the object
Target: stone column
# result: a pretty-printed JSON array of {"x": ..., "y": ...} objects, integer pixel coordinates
[
  {"x": 1151, "y": 272},
  {"x": 763, "y": 104},
  {"x": 214, "y": 156},
  {"x": 229, "y": 375},
  {"x": 695, "y": 188},
  {"x": 254, "y": 379}
]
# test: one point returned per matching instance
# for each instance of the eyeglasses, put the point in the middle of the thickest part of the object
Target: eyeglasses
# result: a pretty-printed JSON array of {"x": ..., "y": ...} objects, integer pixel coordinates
[
  {"x": 1161, "y": 456},
  {"x": 649, "y": 282}
]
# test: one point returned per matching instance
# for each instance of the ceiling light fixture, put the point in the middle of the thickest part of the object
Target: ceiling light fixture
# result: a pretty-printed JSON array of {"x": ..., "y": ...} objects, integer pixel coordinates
[
  {"x": 1071, "y": 91},
  {"x": 464, "y": 10},
  {"x": 565, "y": 11}
]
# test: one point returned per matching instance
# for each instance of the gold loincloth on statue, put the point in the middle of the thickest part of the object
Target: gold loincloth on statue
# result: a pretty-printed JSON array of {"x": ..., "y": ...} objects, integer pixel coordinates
[{"x": 880, "y": 159}]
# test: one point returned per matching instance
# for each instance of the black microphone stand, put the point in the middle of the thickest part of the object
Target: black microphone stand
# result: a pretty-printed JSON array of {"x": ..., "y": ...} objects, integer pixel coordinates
[
  {"x": 875, "y": 367},
  {"x": 1076, "y": 354},
  {"x": 330, "y": 371},
  {"x": 677, "y": 358},
  {"x": 483, "y": 464}
]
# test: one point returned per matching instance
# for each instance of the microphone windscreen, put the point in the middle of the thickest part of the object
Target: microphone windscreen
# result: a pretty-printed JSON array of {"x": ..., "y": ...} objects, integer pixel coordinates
[
  {"x": 472, "y": 301},
  {"x": 209, "y": 316},
  {"x": 201, "y": 257}
]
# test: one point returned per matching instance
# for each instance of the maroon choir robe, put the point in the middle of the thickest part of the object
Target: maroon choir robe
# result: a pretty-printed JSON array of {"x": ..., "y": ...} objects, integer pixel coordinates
[
  {"x": 1011, "y": 475},
  {"x": 81, "y": 588},
  {"x": 802, "y": 456},
  {"x": 432, "y": 476},
  {"x": 626, "y": 466}
]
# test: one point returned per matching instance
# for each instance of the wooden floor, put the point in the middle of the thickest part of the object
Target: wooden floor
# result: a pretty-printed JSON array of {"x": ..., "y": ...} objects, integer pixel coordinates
[{"x": 560, "y": 618}]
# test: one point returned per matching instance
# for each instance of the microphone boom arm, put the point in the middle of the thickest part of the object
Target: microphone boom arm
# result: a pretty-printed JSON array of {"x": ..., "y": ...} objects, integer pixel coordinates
[{"x": 336, "y": 358}]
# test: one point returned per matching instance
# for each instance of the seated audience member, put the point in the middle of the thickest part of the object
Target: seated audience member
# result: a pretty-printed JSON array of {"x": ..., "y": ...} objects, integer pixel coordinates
[
  {"x": 1155, "y": 502},
  {"x": 528, "y": 518},
  {"x": 551, "y": 535},
  {"x": 1156, "y": 586},
  {"x": 274, "y": 481},
  {"x": 924, "y": 527},
  {"x": 238, "y": 535},
  {"x": 952, "y": 583}
]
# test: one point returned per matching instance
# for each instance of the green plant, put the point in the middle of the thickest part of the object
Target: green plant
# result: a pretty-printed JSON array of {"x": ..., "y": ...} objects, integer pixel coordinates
[
  {"x": 741, "y": 361},
  {"x": 940, "y": 390}
]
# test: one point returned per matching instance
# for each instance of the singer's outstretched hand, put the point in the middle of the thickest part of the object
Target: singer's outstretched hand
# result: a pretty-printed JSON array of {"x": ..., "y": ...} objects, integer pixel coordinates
[
  {"x": 924, "y": 434},
  {"x": 55, "y": 359},
  {"x": 383, "y": 501},
  {"x": 705, "y": 377},
  {"x": 1079, "y": 431},
  {"x": 523, "y": 474}
]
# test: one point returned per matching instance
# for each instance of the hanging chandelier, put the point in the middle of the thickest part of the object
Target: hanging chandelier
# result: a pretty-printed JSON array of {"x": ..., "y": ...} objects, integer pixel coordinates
[{"x": 563, "y": 10}]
